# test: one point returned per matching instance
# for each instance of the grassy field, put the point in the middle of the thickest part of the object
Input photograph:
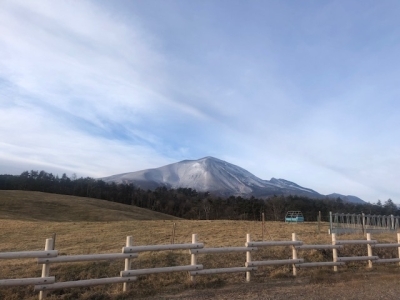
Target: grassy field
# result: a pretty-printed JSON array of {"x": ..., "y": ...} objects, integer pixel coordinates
[
  {"x": 37, "y": 206},
  {"x": 85, "y": 226}
]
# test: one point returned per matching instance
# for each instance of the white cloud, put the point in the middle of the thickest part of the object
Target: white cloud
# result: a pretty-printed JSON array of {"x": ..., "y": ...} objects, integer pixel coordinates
[
  {"x": 58, "y": 147},
  {"x": 71, "y": 72},
  {"x": 97, "y": 90},
  {"x": 79, "y": 59}
]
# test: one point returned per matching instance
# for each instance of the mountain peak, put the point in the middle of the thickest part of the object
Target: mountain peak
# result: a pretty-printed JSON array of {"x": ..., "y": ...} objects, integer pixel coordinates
[
  {"x": 206, "y": 158},
  {"x": 209, "y": 158},
  {"x": 210, "y": 174}
]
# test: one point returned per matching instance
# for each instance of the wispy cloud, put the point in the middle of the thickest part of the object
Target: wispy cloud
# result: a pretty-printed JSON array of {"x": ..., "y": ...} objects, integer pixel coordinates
[
  {"x": 304, "y": 92},
  {"x": 76, "y": 83}
]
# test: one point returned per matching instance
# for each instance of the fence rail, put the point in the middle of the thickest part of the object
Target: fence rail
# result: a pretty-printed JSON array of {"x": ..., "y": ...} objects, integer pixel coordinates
[
  {"x": 82, "y": 283},
  {"x": 27, "y": 281},
  {"x": 28, "y": 254},
  {"x": 87, "y": 257},
  {"x": 196, "y": 250}
]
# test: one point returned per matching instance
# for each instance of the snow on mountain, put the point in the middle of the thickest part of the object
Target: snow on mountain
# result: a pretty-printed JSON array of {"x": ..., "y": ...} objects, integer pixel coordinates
[
  {"x": 206, "y": 174},
  {"x": 288, "y": 184},
  {"x": 213, "y": 175}
]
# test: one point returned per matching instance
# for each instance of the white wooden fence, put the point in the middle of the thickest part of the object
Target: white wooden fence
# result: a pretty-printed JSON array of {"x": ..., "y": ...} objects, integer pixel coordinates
[{"x": 48, "y": 256}]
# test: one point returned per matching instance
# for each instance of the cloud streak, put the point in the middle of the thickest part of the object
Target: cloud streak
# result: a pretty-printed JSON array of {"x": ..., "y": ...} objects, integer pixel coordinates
[{"x": 303, "y": 92}]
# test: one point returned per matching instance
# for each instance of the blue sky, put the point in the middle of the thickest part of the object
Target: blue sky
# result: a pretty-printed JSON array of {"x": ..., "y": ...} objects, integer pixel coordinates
[{"x": 301, "y": 90}]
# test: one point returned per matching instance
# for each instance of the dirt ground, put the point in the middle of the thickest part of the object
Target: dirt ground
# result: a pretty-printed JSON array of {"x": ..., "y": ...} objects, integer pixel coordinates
[{"x": 340, "y": 286}]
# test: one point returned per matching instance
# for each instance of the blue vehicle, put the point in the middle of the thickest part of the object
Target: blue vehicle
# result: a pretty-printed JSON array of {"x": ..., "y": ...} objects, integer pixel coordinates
[{"x": 294, "y": 216}]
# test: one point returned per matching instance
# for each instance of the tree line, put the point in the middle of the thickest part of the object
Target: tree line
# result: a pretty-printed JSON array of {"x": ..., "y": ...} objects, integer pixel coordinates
[{"x": 188, "y": 203}]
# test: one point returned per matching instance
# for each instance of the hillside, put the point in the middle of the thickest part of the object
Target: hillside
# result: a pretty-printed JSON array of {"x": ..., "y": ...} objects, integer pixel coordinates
[{"x": 38, "y": 206}]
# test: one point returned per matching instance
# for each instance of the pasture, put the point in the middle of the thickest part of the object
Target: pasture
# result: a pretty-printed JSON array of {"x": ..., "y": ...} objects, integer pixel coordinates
[{"x": 88, "y": 226}]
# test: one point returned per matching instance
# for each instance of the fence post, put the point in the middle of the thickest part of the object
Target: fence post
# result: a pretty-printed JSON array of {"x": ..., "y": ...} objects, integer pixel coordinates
[
  {"x": 193, "y": 258},
  {"x": 46, "y": 266},
  {"x": 128, "y": 262},
  {"x": 369, "y": 247},
  {"x": 363, "y": 223},
  {"x": 173, "y": 234},
  {"x": 294, "y": 251},
  {"x": 334, "y": 252},
  {"x": 263, "y": 225},
  {"x": 248, "y": 258},
  {"x": 54, "y": 240},
  {"x": 319, "y": 222},
  {"x": 398, "y": 241},
  {"x": 330, "y": 223},
  {"x": 392, "y": 222}
]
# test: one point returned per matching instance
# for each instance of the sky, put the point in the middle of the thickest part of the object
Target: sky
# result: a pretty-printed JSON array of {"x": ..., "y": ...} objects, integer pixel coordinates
[{"x": 307, "y": 91}]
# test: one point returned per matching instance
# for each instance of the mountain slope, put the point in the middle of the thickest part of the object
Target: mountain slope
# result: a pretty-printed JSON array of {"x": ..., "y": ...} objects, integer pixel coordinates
[
  {"x": 348, "y": 198},
  {"x": 213, "y": 175}
]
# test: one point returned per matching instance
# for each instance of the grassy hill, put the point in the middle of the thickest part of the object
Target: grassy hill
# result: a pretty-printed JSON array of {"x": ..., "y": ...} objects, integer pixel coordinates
[{"x": 38, "y": 206}]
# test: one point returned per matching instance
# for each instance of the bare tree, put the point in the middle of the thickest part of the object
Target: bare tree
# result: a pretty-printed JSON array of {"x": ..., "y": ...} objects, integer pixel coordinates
[{"x": 206, "y": 207}]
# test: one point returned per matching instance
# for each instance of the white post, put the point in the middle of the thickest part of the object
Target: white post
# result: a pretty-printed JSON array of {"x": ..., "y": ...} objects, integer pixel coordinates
[
  {"x": 294, "y": 251},
  {"x": 334, "y": 251},
  {"x": 398, "y": 241},
  {"x": 46, "y": 267},
  {"x": 248, "y": 258},
  {"x": 193, "y": 258},
  {"x": 369, "y": 247},
  {"x": 128, "y": 262}
]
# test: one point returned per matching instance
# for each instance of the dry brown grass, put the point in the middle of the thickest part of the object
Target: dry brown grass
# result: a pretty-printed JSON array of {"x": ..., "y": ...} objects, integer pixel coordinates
[
  {"x": 37, "y": 206},
  {"x": 83, "y": 237}
]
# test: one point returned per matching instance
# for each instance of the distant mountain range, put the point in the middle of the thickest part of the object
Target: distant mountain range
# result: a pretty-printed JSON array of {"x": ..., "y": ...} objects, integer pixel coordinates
[{"x": 219, "y": 178}]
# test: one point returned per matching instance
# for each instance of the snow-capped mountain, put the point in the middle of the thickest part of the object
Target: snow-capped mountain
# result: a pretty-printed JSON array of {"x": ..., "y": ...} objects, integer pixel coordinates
[{"x": 215, "y": 176}]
